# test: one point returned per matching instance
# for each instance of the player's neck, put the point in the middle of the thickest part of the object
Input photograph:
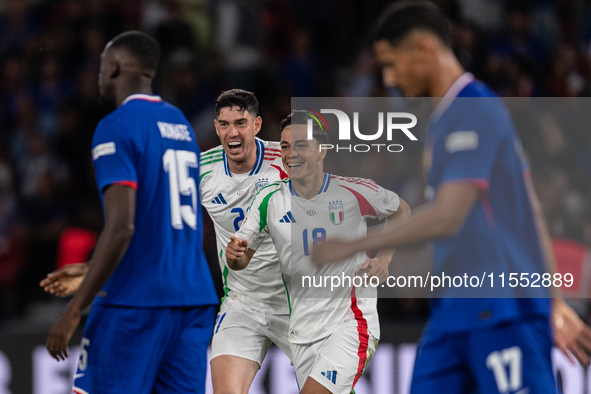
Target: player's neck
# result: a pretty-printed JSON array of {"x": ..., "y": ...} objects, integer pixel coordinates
[
  {"x": 309, "y": 186},
  {"x": 125, "y": 90},
  {"x": 446, "y": 71}
]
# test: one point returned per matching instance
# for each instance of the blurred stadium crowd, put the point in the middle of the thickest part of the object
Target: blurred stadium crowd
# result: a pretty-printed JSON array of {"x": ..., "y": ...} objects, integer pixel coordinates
[{"x": 50, "y": 214}]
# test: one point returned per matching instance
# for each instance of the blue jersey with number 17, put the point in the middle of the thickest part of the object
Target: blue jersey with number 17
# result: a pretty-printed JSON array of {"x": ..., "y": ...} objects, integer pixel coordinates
[
  {"x": 473, "y": 139},
  {"x": 149, "y": 145}
]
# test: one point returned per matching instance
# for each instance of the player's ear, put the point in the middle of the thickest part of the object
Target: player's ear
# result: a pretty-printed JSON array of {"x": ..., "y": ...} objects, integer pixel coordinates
[
  {"x": 424, "y": 44},
  {"x": 258, "y": 122},
  {"x": 215, "y": 123},
  {"x": 114, "y": 69},
  {"x": 322, "y": 149}
]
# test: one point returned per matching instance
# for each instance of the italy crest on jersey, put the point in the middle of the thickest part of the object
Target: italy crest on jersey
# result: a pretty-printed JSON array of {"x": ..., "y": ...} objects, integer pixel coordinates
[
  {"x": 261, "y": 183},
  {"x": 336, "y": 212}
]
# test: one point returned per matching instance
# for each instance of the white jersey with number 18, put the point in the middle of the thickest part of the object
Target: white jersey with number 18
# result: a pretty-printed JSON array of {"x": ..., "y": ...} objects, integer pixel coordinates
[{"x": 339, "y": 211}]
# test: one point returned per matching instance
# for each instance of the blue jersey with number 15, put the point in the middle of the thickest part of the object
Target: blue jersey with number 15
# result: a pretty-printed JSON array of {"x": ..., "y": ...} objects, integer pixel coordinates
[{"x": 149, "y": 145}]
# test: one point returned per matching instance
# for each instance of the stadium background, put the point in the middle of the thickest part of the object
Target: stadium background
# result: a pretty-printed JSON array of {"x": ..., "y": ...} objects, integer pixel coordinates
[{"x": 49, "y": 209}]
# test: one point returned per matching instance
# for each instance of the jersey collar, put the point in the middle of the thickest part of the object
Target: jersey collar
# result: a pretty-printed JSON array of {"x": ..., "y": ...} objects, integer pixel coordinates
[
  {"x": 145, "y": 97},
  {"x": 454, "y": 90},
  {"x": 257, "y": 165},
  {"x": 323, "y": 188}
]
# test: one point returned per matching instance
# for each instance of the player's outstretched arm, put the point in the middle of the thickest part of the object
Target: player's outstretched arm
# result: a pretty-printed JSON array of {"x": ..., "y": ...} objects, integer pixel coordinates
[
  {"x": 237, "y": 253},
  {"x": 111, "y": 246},
  {"x": 378, "y": 266},
  {"x": 442, "y": 219},
  {"x": 64, "y": 281}
]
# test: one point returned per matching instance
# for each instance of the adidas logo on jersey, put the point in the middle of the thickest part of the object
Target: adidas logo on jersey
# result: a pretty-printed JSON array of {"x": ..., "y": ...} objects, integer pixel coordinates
[
  {"x": 330, "y": 375},
  {"x": 287, "y": 218},
  {"x": 219, "y": 200}
]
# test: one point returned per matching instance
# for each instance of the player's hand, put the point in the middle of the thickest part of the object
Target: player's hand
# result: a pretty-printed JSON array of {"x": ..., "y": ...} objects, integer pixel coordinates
[
  {"x": 64, "y": 281},
  {"x": 236, "y": 248},
  {"x": 60, "y": 334},
  {"x": 330, "y": 251},
  {"x": 375, "y": 267},
  {"x": 571, "y": 334}
]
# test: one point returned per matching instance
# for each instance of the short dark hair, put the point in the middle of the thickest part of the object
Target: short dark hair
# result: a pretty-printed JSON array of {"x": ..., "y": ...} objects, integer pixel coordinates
[
  {"x": 244, "y": 100},
  {"x": 319, "y": 131},
  {"x": 142, "y": 46},
  {"x": 402, "y": 18}
]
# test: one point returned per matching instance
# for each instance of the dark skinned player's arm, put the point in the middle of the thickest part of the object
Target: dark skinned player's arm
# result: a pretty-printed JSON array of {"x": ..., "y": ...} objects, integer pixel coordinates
[
  {"x": 119, "y": 205},
  {"x": 111, "y": 244},
  {"x": 442, "y": 219}
]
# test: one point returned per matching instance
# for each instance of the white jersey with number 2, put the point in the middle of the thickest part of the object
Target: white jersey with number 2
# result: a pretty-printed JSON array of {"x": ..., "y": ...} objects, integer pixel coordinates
[{"x": 227, "y": 197}]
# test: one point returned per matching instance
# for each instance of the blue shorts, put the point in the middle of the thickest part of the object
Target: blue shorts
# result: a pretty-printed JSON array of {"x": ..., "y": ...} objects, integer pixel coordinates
[
  {"x": 144, "y": 350},
  {"x": 505, "y": 358}
]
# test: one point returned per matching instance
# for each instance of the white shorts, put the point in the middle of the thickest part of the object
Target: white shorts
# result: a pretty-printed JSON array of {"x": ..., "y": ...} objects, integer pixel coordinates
[
  {"x": 335, "y": 362},
  {"x": 242, "y": 329}
]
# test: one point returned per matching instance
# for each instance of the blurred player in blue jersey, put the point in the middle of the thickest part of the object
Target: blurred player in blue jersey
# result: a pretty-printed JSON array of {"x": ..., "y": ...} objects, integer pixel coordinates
[
  {"x": 152, "y": 318},
  {"x": 254, "y": 311},
  {"x": 484, "y": 216}
]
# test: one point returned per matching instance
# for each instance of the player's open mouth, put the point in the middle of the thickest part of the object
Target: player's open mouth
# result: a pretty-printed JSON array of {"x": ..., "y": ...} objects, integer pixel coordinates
[
  {"x": 294, "y": 165},
  {"x": 234, "y": 146}
]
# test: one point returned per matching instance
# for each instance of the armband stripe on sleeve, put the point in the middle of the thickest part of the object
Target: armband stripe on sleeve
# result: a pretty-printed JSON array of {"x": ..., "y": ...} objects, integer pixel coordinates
[{"x": 131, "y": 184}]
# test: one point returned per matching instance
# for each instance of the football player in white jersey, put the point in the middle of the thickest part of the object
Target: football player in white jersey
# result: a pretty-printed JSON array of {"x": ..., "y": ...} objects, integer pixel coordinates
[
  {"x": 254, "y": 310},
  {"x": 334, "y": 333}
]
